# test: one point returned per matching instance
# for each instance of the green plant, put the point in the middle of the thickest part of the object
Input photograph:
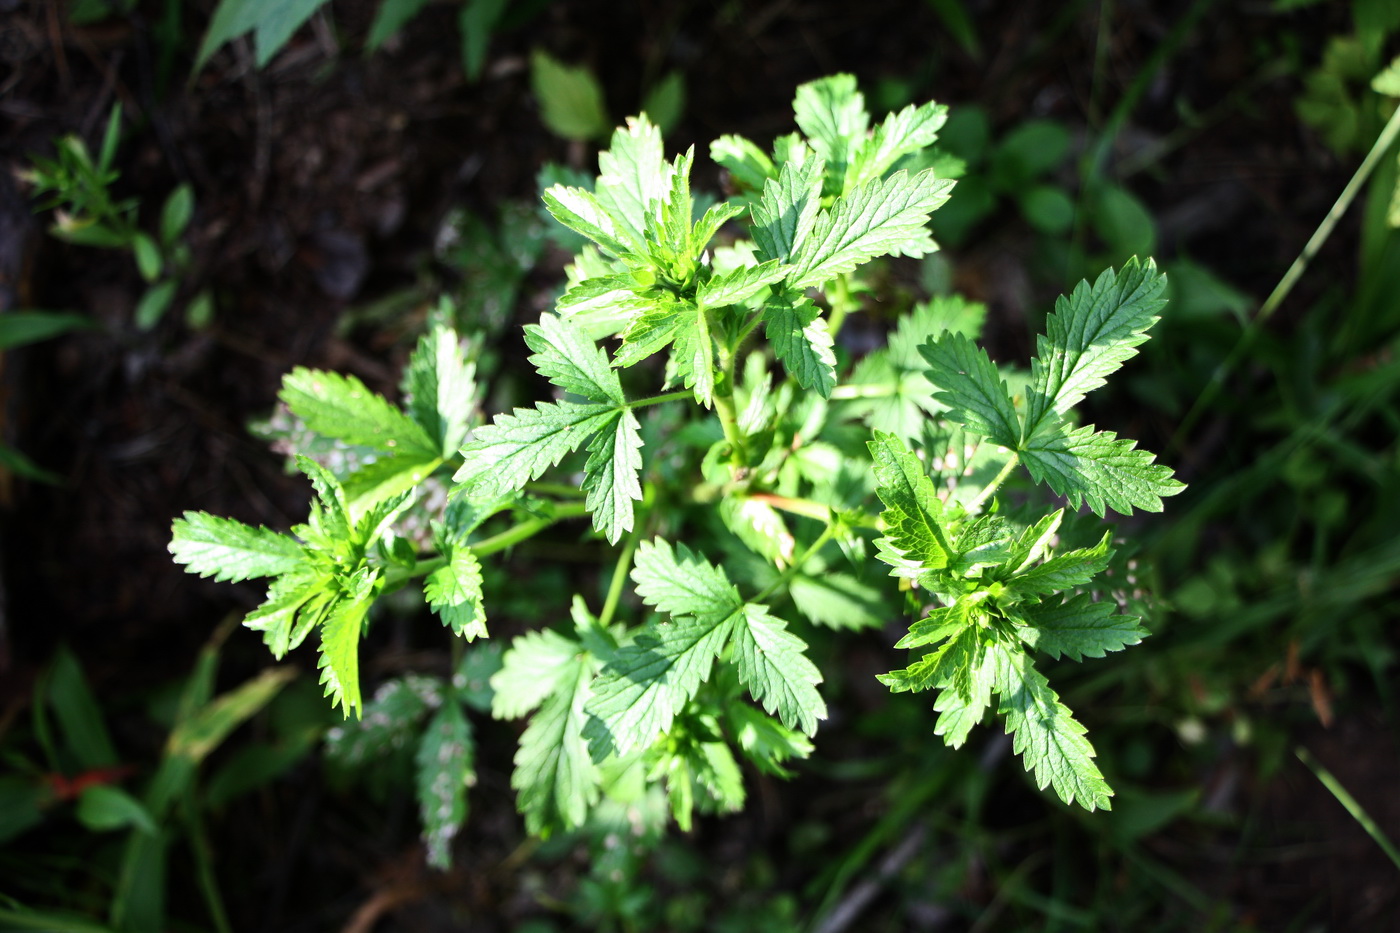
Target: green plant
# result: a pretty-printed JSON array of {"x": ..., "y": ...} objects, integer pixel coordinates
[
  {"x": 731, "y": 499},
  {"x": 78, "y": 190}
]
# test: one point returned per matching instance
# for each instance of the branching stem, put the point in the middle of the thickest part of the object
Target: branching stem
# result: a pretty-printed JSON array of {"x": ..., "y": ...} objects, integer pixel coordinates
[{"x": 796, "y": 565}]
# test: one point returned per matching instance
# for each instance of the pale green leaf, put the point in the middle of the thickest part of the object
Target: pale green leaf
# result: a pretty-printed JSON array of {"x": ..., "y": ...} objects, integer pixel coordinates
[
  {"x": 800, "y": 339},
  {"x": 554, "y": 776},
  {"x": 715, "y": 217},
  {"x": 571, "y": 100},
  {"x": 959, "y": 712},
  {"x": 444, "y": 771},
  {"x": 1046, "y": 735},
  {"x": 765, "y": 741},
  {"x": 1079, "y": 627},
  {"x": 783, "y": 218},
  {"x": 972, "y": 389},
  {"x": 1091, "y": 334},
  {"x": 286, "y": 597},
  {"x": 518, "y": 448},
  {"x": 536, "y": 666},
  {"x": 229, "y": 550},
  {"x": 632, "y": 174},
  {"x": 837, "y": 600},
  {"x": 948, "y": 665},
  {"x": 390, "y": 18},
  {"x": 340, "y": 651},
  {"x": 739, "y": 286},
  {"x": 916, "y": 540},
  {"x": 773, "y": 665},
  {"x": 611, "y": 480},
  {"x": 694, "y": 355},
  {"x": 582, "y": 212},
  {"x": 390, "y": 721},
  {"x": 656, "y": 327},
  {"x": 748, "y": 165},
  {"x": 565, "y": 356},
  {"x": 341, "y": 407},
  {"x": 831, "y": 112},
  {"x": 454, "y": 593},
  {"x": 680, "y": 582},
  {"x": 441, "y": 389},
  {"x": 908, "y": 131},
  {"x": 1098, "y": 468},
  {"x": 387, "y": 477}
]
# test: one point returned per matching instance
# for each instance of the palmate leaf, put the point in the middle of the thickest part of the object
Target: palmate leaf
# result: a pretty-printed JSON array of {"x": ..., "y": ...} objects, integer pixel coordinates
[
  {"x": 1098, "y": 468},
  {"x": 565, "y": 356},
  {"x": 972, "y": 389},
  {"x": 800, "y": 339},
  {"x": 772, "y": 664},
  {"x": 441, "y": 389},
  {"x": 554, "y": 776},
  {"x": 444, "y": 765},
  {"x": 454, "y": 593},
  {"x": 783, "y": 218},
  {"x": 885, "y": 217},
  {"x": 1046, "y": 735},
  {"x": 1078, "y": 627},
  {"x": 916, "y": 540},
  {"x": 1090, "y": 335},
  {"x": 341, "y": 407},
  {"x": 229, "y": 550}
]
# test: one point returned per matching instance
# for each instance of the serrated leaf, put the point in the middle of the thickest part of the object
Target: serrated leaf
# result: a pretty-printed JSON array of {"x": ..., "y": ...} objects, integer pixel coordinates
[
  {"x": 330, "y": 514},
  {"x": 1078, "y": 627},
  {"x": 454, "y": 593},
  {"x": 286, "y": 598},
  {"x": 441, "y": 389},
  {"x": 916, "y": 540},
  {"x": 693, "y": 355},
  {"x": 739, "y": 286},
  {"x": 554, "y": 776},
  {"x": 958, "y": 713},
  {"x": 908, "y": 131},
  {"x": 801, "y": 340},
  {"x": 632, "y": 174},
  {"x": 571, "y": 100},
  {"x": 444, "y": 770},
  {"x": 885, "y": 217},
  {"x": 385, "y": 478},
  {"x": 229, "y": 550},
  {"x": 340, "y": 651},
  {"x": 565, "y": 356},
  {"x": 709, "y": 224},
  {"x": 1064, "y": 571},
  {"x": 836, "y": 600},
  {"x": 341, "y": 407},
  {"x": 941, "y": 622},
  {"x": 746, "y": 164},
  {"x": 518, "y": 448},
  {"x": 972, "y": 389},
  {"x": 536, "y": 666},
  {"x": 389, "y": 722},
  {"x": 1046, "y": 735},
  {"x": 783, "y": 218},
  {"x": 773, "y": 665},
  {"x": 1091, "y": 334},
  {"x": 765, "y": 741},
  {"x": 948, "y": 665},
  {"x": 1098, "y": 468},
  {"x": 611, "y": 481},
  {"x": 680, "y": 582},
  {"x": 656, "y": 327},
  {"x": 581, "y": 212},
  {"x": 1032, "y": 543},
  {"x": 831, "y": 112}
]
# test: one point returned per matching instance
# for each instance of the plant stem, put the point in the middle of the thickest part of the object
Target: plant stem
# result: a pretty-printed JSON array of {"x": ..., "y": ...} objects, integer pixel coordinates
[
  {"x": 842, "y": 303},
  {"x": 724, "y": 407},
  {"x": 796, "y": 565},
  {"x": 1353, "y": 806},
  {"x": 658, "y": 399},
  {"x": 859, "y": 390},
  {"x": 991, "y": 488},
  {"x": 810, "y": 509},
  {"x": 555, "y": 489},
  {"x": 619, "y": 577}
]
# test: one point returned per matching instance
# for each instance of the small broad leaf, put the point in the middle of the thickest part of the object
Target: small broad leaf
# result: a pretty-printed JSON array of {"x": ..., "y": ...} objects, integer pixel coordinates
[
  {"x": 454, "y": 593},
  {"x": 341, "y": 407},
  {"x": 632, "y": 174},
  {"x": 390, "y": 721},
  {"x": 948, "y": 665},
  {"x": 739, "y": 286},
  {"x": 536, "y": 666},
  {"x": 1100, "y": 469},
  {"x": 831, "y": 111},
  {"x": 583, "y": 213},
  {"x": 229, "y": 550},
  {"x": 571, "y": 100},
  {"x": 1064, "y": 571},
  {"x": 959, "y": 712},
  {"x": 972, "y": 389},
  {"x": 801, "y": 340},
  {"x": 340, "y": 649},
  {"x": 773, "y": 665},
  {"x": 1078, "y": 627},
  {"x": 748, "y": 165},
  {"x": 445, "y": 768},
  {"x": 908, "y": 131}
]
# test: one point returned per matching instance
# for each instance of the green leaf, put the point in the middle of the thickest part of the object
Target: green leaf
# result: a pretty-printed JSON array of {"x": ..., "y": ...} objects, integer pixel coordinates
[
  {"x": 680, "y": 582},
  {"x": 340, "y": 650},
  {"x": 441, "y": 389},
  {"x": 800, "y": 339},
  {"x": 633, "y": 174},
  {"x": 764, "y": 740},
  {"x": 715, "y": 217},
  {"x": 518, "y": 448},
  {"x": 1079, "y": 627},
  {"x": 444, "y": 770},
  {"x": 748, "y": 165},
  {"x": 915, "y": 540},
  {"x": 389, "y": 723},
  {"x": 475, "y": 21},
  {"x": 390, "y": 18},
  {"x": 342, "y": 408},
  {"x": 665, "y": 102},
  {"x": 784, "y": 217},
  {"x": 387, "y": 477},
  {"x": 196, "y": 736},
  {"x": 149, "y": 261},
  {"x": 836, "y": 600},
  {"x": 1098, "y": 468},
  {"x": 886, "y": 217},
  {"x": 1090, "y": 335},
  {"x": 565, "y": 356},
  {"x": 1064, "y": 571},
  {"x": 582, "y": 212},
  {"x": 773, "y": 665},
  {"x": 694, "y": 355},
  {"x": 454, "y": 593},
  {"x": 972, "y": 388},
  {"x": 70, "y": 697},
  {"x": 288, "y": 597},
  {"x": 153, "y": 304},
  {"x": 1047, "y": 736},
  {"x": 102, "y": 808},
  {"x": 737, "y": 287},
  {"x": 330, "y": 514},
  {"x": 656, "y": 327},
  {"x": 958, "y": 712},
  {"x": 229, "y": 550},
  {"x": 831, "y": 112},
  {"x": 941, "y": 622},
  {"x": 571, "y": 100},
  {"x": 948, "y": 665},
  {"x": 611, "y": 480},
  {"x": 908, "y": 131},
  {"x": 20, "y": 328},
  {"x": 176, "y": 214},
  {"x": 556, "y": 779},
  {"x": 535, "y": 667}
]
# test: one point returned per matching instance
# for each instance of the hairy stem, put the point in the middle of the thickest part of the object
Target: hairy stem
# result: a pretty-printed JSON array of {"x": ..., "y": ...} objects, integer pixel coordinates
[{"x": 990, "y": 489}]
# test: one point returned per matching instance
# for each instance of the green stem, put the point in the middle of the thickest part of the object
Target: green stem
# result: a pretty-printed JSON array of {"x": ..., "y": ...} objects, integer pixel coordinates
[
  {"x": 728, "y": 414},
  {"x": 1290, "y": 278},
  {"x": 204, "y": 866},
  {"x": 563, "y": 490},
  {"x": 619, "y": 577},
  {"x": 838, "y": 294},
  {"x": 858, "y": 390},
  {"x": 658, "y": 399},
  {"x": 807, "y": 508},
  {"x": 990, "y": 489},
  {"x": 796, "y": 565}
]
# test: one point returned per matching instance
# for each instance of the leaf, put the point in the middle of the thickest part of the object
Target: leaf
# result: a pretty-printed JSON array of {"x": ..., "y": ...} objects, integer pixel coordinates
[
  {"x": 831, "y": 112},
  {"x": 1090, "y": 335},
  {"x": 1047, "y": 736},
  {"x": 665, "y": 102},
  {"x": 556, "y": 779},
  {"x": 342, "y": 408},
  {"x": 739, "y": 286},
  {"x": 915, "y": 540},
  {"x": 389, "y": 19},
  {"x": 972, "y": 388},
  {"x": 154, "y": 303},
  {"x": 535, "y": 666},
  {"x": 694, "y": 355},
  {"x": 715, "y": 217},
  {"x": 1064, "y": 571},
  {"x": 571, "y": 100},
  {"x": 286, "y": 597},
  {"x": 441, "y": 389},
  {"x": 654, "y": 329},
  {"x": 516, "y": 449},
  {"x": 748, "y": 165},
  {"x": 385, "y": 478},
  {"x": 80, "y": 721},
  {"x": 176, "y": 213},
  {"x": 444, "y": 770},
  {"x": 611, "y": 480},
  {"x": 836, "y": 600},
  {"x": 680, "y": 582},
  {"x": 229, "y": 550},
  {"x": 390, "y": 720},
  {"x": 959, "y": 712},
  {"x": 20, "y": 328},
  {"x": 941, "y": 622},
  {"x": 773, "y": 665},
  {"x": 1098, "y": 468},
  {"x": 565, "y": 356},
  {"x": 274, "y": 21},
  {"x": 103, "y": 807},
  {"x": 583, "y": 213},
  {"x": 908, "y": 131},
  {"x": 454, "y": 593},
  {"x": 801, "y": 340},
  {"x": 1079, "y": 627},
  {"x": 881, "y": 218},
  {"x": 949, "y": 665},
  {"x": 764, "y": 741},
  {"x": 783, "y": 218},
  {"x": 340, "y": 651},
  {"x": 632, "y": 174}
]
